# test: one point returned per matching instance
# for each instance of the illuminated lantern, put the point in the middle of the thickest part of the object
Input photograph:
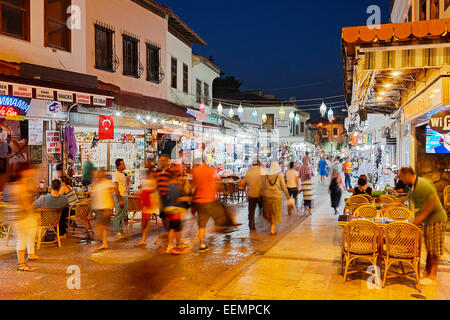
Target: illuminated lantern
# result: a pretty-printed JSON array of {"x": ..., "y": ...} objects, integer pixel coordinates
[
  {"x": 240, "y": 110},
  {"x": 330, "y": 115},
  {"x": 255, "y": 114},
  {"x": 231, "y": 112},
  {"x": 220, "y": 109},
  {"x": 297, "y": 118},
  {"x": 282, "y": 113},
  {"x": 323, "y": 109},
  {"x": 264, "y": 118},
  {"x": 291, "y": 115},
  {"x": 202, "y": 107}
]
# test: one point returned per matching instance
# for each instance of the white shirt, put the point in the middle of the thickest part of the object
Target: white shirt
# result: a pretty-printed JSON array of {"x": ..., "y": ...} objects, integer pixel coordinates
[
  {"x": 102, "y": 195},
  {"x": 120, "y": 179},
  {"x": 291, "y": 178}
]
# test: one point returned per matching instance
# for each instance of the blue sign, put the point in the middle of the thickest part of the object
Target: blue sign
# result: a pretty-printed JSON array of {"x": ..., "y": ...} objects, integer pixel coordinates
[{"x": 20, "y": 104}]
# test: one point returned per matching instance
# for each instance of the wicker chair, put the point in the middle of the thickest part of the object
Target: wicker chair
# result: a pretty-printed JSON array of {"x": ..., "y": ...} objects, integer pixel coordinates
[
  {"x": 398, "y": 213},
  {"x": 134, "y": 207},
  {"x": 387, "y": 207},
  {"x": 360, "y": 239},
  {"x": 387, "y": 199},
  {"x": 48, "y": 220},
  {"x": 241, "y": 191},
  {"x": 402, "y": 242},
  {"x": 368, "y": 197},
  {"x": 447, "y": 200},
  {"x": 5, "y": 229},
  {"x": 83, "y": 216},
  {"x": 367, "y": 211},
  {"x": 358, "y": 199}
]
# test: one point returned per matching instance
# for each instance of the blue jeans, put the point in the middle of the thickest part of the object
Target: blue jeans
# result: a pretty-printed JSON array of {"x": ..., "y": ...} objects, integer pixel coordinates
[
  {"x": 121, "y": 213},
  {"x": 348, "y": 181}
]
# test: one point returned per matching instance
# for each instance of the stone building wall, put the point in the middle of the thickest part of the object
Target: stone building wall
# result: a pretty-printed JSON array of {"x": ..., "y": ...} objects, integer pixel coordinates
[{"x": 435, "y": 167}]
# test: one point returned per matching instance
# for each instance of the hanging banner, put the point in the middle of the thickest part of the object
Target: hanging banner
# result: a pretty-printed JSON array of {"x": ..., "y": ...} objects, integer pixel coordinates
[
  {"x": 53, "y": 146},
  {"x": 106, "y": 127},
  {"x": 35, "y": 132}
]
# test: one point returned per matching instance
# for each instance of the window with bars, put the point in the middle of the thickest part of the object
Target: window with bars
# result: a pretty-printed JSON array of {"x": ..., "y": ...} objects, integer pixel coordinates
[
  {"x": 198, "y": 91},
  {"x": 15, "y": 18},
  {"x": 206, "y": 93},
  {"x": 57, "y": 34},
  {"x": 130, "y": 56},
  {"x": 153, "y": 63},
  {"x": 185, "y": 78},
  {"x": 104, "y": 48},
  {"x": 174, "y": 73}
]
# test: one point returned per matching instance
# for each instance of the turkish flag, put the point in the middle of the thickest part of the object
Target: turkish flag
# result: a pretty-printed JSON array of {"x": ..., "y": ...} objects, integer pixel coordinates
[{"x": 105, "y": 127}]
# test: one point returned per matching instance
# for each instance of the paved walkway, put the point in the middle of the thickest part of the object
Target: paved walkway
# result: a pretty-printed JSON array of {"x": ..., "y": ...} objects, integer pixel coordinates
[{"x": 305, "y": 265}]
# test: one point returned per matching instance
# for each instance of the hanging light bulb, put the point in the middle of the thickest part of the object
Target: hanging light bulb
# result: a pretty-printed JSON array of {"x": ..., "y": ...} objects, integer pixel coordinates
[
  {"x": 291, "y": 115},
  {"x": 240, "y": 110},
  {"x": 264, "y": 117},
  {"x": 330, "y": 114},
  {"x": 231, "y": 112},
  {"x": 220, "y": 108},
  {"x": 282, "y": 113},
  {"x": 297, "y": 118},
  {"x": 323, "y": 109},
  {"x": 202, "y": 107},
  {"x": 255, "y": 114}
]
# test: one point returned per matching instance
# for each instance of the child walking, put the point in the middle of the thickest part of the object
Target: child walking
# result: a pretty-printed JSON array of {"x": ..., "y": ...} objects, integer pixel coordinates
[{"x": 175, "y": 206}]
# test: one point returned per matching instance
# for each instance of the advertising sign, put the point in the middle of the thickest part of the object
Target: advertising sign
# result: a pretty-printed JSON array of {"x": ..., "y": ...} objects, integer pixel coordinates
[
  {"x": 54, "y": 146},
  {"x": 438, "y": 133},
  {"x": 35, "y": 132}
]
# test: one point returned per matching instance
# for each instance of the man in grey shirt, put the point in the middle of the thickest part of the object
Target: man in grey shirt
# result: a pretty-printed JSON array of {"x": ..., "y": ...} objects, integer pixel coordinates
[{"x": 253, "y": 181}]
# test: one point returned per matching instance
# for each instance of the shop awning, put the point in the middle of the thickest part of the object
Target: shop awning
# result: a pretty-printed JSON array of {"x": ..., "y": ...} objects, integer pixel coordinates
[
  {"x": 397, "y": 31},
  {"x": 138, "y": 101}
]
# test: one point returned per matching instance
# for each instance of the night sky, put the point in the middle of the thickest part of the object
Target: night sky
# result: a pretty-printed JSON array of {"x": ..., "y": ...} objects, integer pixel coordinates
[{"x": 271, "y": 45}]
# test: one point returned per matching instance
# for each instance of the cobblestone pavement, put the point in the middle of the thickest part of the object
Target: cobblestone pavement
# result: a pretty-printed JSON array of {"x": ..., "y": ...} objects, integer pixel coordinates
[{"x": 125, "y": 272}]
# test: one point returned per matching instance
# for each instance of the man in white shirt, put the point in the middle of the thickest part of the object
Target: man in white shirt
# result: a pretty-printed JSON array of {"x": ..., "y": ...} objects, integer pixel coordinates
[
  {"x": 292, "y": 180},
  {"x": 120, "y": 198}
]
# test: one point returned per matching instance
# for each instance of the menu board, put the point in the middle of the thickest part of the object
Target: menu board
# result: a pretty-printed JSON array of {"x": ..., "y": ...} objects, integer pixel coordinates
[
  {"x": 54, "y": 146},
  {"x": 35, "y": 132}
]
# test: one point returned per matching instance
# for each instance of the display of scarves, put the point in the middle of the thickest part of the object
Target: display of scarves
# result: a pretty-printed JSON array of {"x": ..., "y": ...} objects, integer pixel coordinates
[{"x": 71, "y": 142}]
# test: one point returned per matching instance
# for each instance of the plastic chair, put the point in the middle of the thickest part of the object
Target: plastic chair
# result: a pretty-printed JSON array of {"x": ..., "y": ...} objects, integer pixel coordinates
[
  {"x": 83, "y": 216},
  {"x": 367, "y": 211},
  {"x": 48, "y": 220},
  {"x": 402, "y": 242},
  {"x": 360, "y": 239}
]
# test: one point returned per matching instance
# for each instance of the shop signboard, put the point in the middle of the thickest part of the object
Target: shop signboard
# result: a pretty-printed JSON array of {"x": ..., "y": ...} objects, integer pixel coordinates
[
  {"x": 83, "y": 98},
  {"x": 53, "y": 108},
  {"x": 54, "y": 146},
  {"x": 22, "y": 91},
  {"x": 438, "y": 133},
  {"x": 65, "y": 96},
  {"x": 35, "y": 132},
  {"x": 4, "y": 89},
  {"x": 282, "y": 123},
  {"x": 44, "y": 94},
  {"x": 13, "y": 108},
  {"x": 99, "y": 101}
]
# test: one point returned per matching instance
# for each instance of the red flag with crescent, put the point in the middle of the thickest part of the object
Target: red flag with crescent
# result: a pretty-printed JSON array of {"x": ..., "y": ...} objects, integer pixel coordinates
[{"x": 106, "y": 127}]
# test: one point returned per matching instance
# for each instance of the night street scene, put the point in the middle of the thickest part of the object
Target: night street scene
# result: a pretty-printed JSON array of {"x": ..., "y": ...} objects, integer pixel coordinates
[{"x": 228, "y": 157}]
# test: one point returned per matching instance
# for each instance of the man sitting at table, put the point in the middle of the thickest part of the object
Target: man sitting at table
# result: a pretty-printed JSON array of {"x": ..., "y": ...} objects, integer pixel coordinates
[{"x": 55, "y": 201}]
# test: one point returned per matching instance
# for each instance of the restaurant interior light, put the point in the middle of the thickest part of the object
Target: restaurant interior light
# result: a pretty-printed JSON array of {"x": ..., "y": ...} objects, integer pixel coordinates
[
  {"x": 396, "y": 73},
  {"x": 154, "y": 120},
  {"x": 148, "y": 117},
  {"x": 387, "y": 85}
]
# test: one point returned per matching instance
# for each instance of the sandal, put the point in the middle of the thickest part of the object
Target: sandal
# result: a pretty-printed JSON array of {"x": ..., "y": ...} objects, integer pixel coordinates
[
  {"x": 140, "y": 244},
  {"x": 24, "y": 267}
]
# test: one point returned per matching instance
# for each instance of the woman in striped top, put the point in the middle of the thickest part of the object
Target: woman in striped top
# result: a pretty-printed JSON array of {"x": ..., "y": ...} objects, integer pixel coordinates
[{"x": 306, "y": 173}]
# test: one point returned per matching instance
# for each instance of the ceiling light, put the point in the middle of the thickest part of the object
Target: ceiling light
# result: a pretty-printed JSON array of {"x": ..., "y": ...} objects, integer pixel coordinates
[
  {"x": 437, "y": 90},
  {"x": 148, "y": 117},
  {"x": 396, "y": 73},
  {"x": 138, "y": 117},
  {"x": 154, "y": 120},
  {"x": 387, "y": 85}
]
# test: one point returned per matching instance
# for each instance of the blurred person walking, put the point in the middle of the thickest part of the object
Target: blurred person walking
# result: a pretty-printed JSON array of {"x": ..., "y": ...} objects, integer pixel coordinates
[
  {"x": 69, "y": 192},
  {"x": 253, "y": 181},
  {"x": 292, "y": 177},
  {"x": 120, "y": 198},
  {"x": 150, "y": 203},
  {"x": 273, "y": 188},
  {"x": 306, "y": 174},
  {"x": 88, "y": 172},
  {"x": 336, "y": 185},
  {"x": 175, "y": 209},
  {"x": 205, "y": 201},
  {"x": 162, "y": 178},
  {"x": 20, "y": 214},
  {"x": 348, "y": 167},
  {"x": 323, "y": 170},
  {"x": 102, "y": 205}
]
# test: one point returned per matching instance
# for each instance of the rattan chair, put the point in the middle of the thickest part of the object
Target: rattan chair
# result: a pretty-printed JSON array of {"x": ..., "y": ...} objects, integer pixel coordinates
[
  {"x": 402, "y": 242},
  {"x": 360, "y": 239},
  {"x": 386, "y": 207},
  {"x": 82, "y": 216},
  {"x": 48, "y": 220},
  {"x": 5, "y": 229},
  {"x": 358, "y": 199},
  {"x": 368, "y": 197},
  {"x": 447, "y": 200},
  {"x": 398, "y": 213},
  {"x": 134, "y": 207},
  {"x": 387, "y": 199},
  {"x": 392, "y": 192},
  {"x": 367, "y": 211}
]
